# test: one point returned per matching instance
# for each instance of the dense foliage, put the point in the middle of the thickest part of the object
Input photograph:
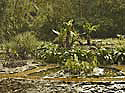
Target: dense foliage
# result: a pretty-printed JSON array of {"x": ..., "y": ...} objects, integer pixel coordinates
[
  {"x": 53, "y": 31},
  {"x": 22, "y": 46},
  {"x": 54, "y": 54},
  {"x": 42, "y": 16}
]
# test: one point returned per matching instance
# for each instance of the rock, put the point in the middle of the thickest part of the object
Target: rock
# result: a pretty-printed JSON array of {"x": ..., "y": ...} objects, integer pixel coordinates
[
  {"x": 14, "y": 64},
  {"x": 2, "y": 72},
  {"x": 120, "y": 91},
  {"x": 31, "y": 67},
  {"x": 80, "y": 89},
  {"x": 47, "y": 77},
  {"x": 16, "y": 69},
  {"x": 82, "y": 73},
  {"x": 62, "y": 85},
  {"x": 47, "y": 85},
  {"x": 59, "y": 74},
  {"x": 53, "y": 86},
  {"x": 13, "y": 86},
  {"x": 120, "y": 73},
  {"x": 88, "y": 86},
  {"x": 100, "y": 89},
  {"x": 1, "y": 66},
  {"x": 98, "y": 71},
  {"x": 41, "y": 65},
  {"x": 67, "y": 75}
]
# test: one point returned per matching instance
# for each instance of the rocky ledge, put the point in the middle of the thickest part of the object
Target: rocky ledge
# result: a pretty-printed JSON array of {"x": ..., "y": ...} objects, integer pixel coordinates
[
  {"x": 97, "y": 72},
  {"x": 15, "y": 67},
  {"x": 56, "y": 86}
]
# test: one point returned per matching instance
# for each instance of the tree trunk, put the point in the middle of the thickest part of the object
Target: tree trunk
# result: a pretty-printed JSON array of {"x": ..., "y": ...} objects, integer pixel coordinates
[
  {"x": 88, "y": 40},
  {"x": 68, "y": 40}
]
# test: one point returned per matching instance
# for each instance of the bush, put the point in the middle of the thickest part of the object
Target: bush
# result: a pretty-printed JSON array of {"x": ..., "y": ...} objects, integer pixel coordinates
[
  {"x": 72, "y": 65},
  {"x": 104, "y": 56},
  {"x": 49, "y": 52},
  {"x": 75, "y": 66},
  {"x": 52, "y": 53},
  {"x": 111, "y": 56},
  {"x": 23, "y": 45}
]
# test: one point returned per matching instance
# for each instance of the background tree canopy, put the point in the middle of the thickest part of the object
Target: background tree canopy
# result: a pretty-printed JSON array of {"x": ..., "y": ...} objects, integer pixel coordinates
[{"x": 41, "y": 16}]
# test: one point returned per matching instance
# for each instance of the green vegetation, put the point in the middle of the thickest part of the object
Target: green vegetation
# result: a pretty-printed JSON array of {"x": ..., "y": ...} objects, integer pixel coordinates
[
  {"x": 42, "y": 16},
  {"x": 88, "y": 30},
  {"x": 55, "y": 32},
  {"x": 22, "y": 45},
  {"x": 75, "y": 67}
]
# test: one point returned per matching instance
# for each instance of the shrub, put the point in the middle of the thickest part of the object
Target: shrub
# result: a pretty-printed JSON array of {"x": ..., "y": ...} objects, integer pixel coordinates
[
  {"x": 119, "y": 55},
  {"x": 72, "y": 64},
  {"x": 104, "y": 56},
  {"x": 23, "y": 45},
  {"x": 49, "y": 52},
  {"x": 88, "y": 67},
  {"x": 111, "y": 56},
  {"x": 52, "y": 53},
  {"x": 75, "y": 66}
]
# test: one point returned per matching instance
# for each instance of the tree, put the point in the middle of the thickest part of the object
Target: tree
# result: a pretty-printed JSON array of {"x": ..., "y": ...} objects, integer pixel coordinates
[
  {"x": 21, "y": 16},
  {"x": 89, "y": 28},
  {"x": 44, "y": 15},
  {"x": 109, "y": 14},
  {"x": 67, "y": 36},
  {"x": 2, "y": 19}
]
